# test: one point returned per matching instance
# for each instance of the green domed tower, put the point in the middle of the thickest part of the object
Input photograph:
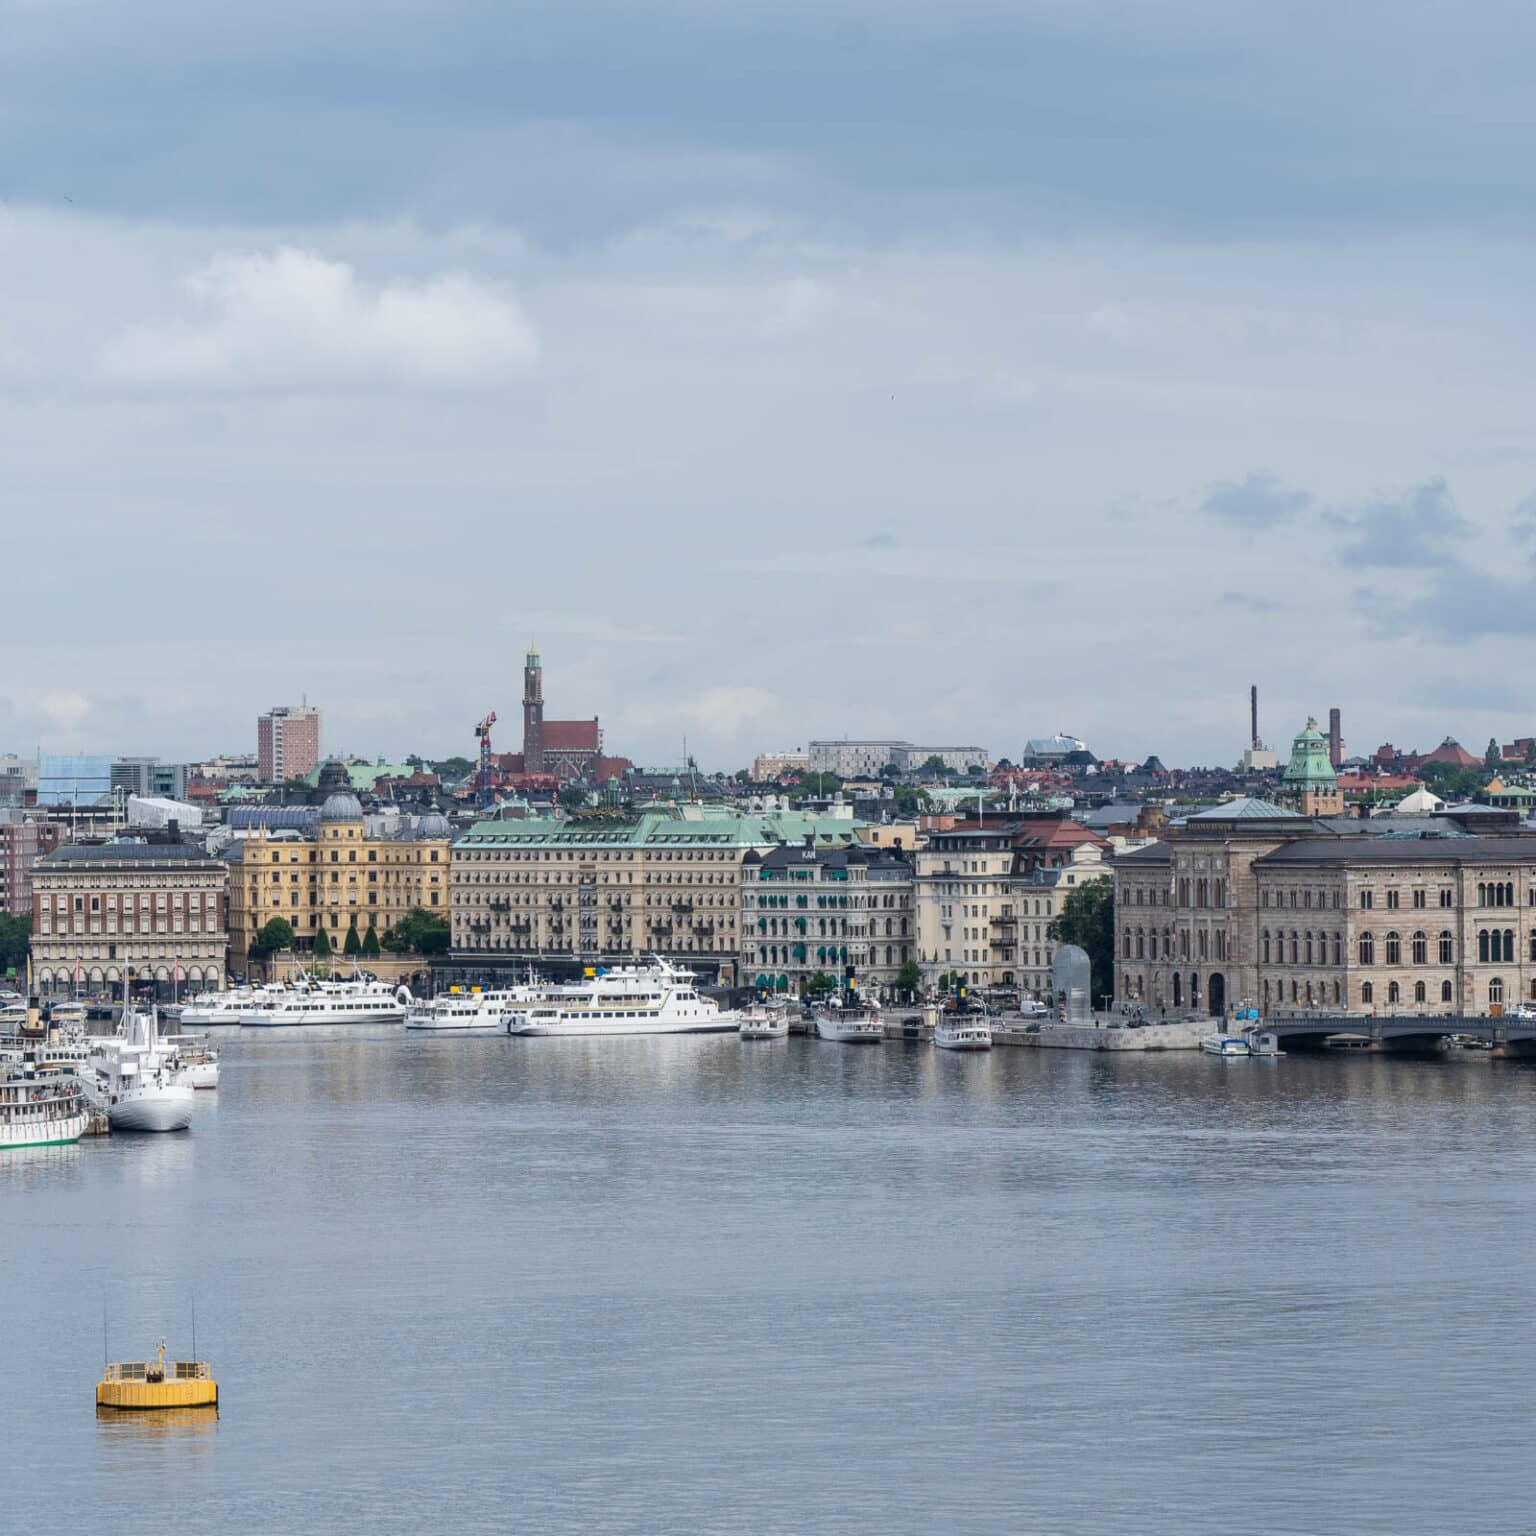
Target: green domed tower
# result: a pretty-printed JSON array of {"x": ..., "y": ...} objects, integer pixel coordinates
[{"x": 1309, "y": 777}]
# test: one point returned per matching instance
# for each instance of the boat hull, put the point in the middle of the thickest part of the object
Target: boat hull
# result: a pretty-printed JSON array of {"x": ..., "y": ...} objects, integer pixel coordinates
[
  {"x": 148, "y": 1396},
  {"x": 162, "y": 1109},
  {"x": 53, "y": 1133},
  {"x": 301, "y": 1021},
  {"x": 963, "y": 1045},
  {"x": 576, "y": 1030},
  {"x": 202, "y": 1074},
  {"x": 764, "y": 1032},
  {"x": 849, "y": 1034}
]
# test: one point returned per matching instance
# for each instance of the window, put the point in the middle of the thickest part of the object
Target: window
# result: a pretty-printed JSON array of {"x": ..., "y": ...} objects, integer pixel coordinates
[
  {"x": 1420, "y": 948},
  {"x": 1447, "y": 948},
  {"x": 1496, "y": 991},
  {"x": 1445, "y": 991},
  {"x": 1367, "y": 952},
  {"x": 1393, "y": 899},
  {"x": 1393, "y": 993},
  {"x": 1420, "y": 900},
  {"x": 1367, "y": 992},
  {"x": 1266, "y": 945},
  {"x": 1394, "y": 951},
  {"x": 1482, "y": 946},
  {"x": 1367, "y": 901}
]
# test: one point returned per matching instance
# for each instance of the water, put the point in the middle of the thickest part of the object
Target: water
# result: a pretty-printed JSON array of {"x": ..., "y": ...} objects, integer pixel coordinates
[{"x": 697, "y": 1285}]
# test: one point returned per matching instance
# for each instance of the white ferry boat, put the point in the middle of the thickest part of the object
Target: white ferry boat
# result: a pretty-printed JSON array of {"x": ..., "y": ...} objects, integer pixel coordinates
[
  {"x": 330, "y": 1002},
  {"x": 471, "y": 1012},
  {"x": 765, "y": 1021},
  {"x": 855, "y": 1025},
  {"x": 137, "y": 1078},
  {"x": 962, "y": 1032},
  {"x": 224, "y": 1007},
  {"x": 654, "y": 999},
  {"x": 40, "y": 1106}
]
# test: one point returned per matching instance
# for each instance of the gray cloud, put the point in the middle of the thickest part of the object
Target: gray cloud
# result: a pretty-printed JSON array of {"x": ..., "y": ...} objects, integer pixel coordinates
[
  {"x": 1456, "y": 604},
  {"x": 1259, "y": 500},
  {"x": 1408, "y": 531}
]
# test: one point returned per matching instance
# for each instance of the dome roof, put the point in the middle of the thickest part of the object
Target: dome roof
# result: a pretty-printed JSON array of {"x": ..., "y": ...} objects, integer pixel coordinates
[
  {"x": 1422, "y": 802},
  {"x": 435, "y": 824},
  {"x": 342, "y": 806}
]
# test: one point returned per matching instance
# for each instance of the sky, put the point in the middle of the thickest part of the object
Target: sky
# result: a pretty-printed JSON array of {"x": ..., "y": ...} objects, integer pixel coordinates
[{"x": 959, "y": 373}]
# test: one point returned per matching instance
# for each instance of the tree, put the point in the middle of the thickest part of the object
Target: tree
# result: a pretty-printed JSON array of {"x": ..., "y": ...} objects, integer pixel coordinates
[
  {"x": 276, "y": 933},
  {"x": 1451, "y": 782},
  {"x": 15, "y": 938},
  {"x": 909, "y": 978},
  {"x": 1492, "y": 757},
  {"x": 322, "y": 944},
  {"x": 353, "y": 944},
  {"x": 418, "y": 932},
  {"x": 911, "y": 801},
  {"x": 572, "y": 796},
  {"x": 934, "y": 764},
  {"x": 1087, "y": 919},
  {"x": 371, "y": 943},
  {"x": 976, "y": 769},
  {"x": 819, "y": 985},
  {"x": 743, "y": 775},
  {"x": 890, "y": 771},
  {"x": 453, "y": 767}
]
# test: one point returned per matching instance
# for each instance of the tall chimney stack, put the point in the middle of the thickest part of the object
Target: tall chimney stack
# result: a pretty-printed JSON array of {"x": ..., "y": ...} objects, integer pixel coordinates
[
  {"x": 1253, "y": 712},
  {"x": 1335, "y": 739}
]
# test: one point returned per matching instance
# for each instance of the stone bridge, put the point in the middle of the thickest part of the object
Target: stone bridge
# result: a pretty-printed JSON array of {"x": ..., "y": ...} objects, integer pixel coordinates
[{"x": 1508, "y": 1035}]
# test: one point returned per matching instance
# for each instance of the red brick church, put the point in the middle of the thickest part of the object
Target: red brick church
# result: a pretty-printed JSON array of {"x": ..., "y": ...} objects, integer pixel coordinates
[{"x": 564, "y": 750}]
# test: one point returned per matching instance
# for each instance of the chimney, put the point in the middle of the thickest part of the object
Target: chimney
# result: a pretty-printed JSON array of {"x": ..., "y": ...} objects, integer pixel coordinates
[
  {"x": 1253, "y": 712},
  {"x": 1335, "y": 739}
]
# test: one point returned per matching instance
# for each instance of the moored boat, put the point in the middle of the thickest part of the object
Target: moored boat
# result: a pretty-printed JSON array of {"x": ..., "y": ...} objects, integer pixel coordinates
[
  {"x": 852, "y": 1024},
  {"x": 765, "y": 1021},
  {"x": 329, "y": 1002},
  {"x": 468, "y": 1011},
  {"x": 655, "y": 999},
  {"x": 136, "y": 1077},
  {"x": 142, "y": 1385},
  {"x": 962, "y": 1032},
  {"x": 1225, "y": 1045},
  {"x": 40, "y": 1106}
]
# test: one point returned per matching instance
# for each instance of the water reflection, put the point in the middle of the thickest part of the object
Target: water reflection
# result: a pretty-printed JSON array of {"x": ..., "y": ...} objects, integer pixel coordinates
[{"x": 147, "y": 1426}]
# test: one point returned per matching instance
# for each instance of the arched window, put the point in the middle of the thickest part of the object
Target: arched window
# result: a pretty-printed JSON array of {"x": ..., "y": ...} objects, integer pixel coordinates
[
  {"x": 1126, "y": 950},
  {"x": 1420, "y": 951},
  {"x": 1447, "y": 947},
  {"x": 1367, "y": 951},
  {"x": 1309, "y": 946},
  {"x": 1266, "y": 992},
  {"x": 1205, "y": 940},
  {"x": 1393, "y": 993},
  {"x": 1482, "y": 894},
  {"x": 1496, "y": 990},
  {"x": 1509, "y": 946},
  {"x": 1367, "y": 992},
  {"x": 1295, "y": 946},
  {"x": 1445, "y": 991},
  {"x": 1293, "y": 991},
  {"x": 1483, "y": 947},
  {"x": 1141, "y": 944},
  {"x": 1336, "y": 993},
  {"x": 1338, "y": 951},
  {"x": 1266, "y": 944},
  {"x": 1419, "y": 993},
  {"x": 1509, "y": 894},
  {"x": 1394, "y": 949}
]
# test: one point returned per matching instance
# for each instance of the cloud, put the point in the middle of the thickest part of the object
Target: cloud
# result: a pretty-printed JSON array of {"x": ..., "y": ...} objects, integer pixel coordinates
[
  {"x": 880, "y": 541},
  {"x": 1258, "y": 500},
  {"x": 65, "y": 710},
  {"x": 292, "y": 319},
  {"x": 1412, "y": 529},
  {"x": 725, "y": 710}
]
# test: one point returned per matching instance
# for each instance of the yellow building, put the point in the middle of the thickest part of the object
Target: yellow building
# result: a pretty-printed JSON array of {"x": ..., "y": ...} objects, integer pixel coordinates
[{"x": 336, "y": 878}]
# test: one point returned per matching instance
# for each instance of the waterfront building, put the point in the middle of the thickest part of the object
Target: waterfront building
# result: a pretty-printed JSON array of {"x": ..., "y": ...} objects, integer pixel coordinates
[
  {"x": 987, "y": 892},
  {"x": 323, "y": 869},
  {"x": 287, "y": 743},
  {"x": 154, "y": 906},
  {"x": 615, "y": 886},
  {"x": 846, "y": 912},
  {"x": 1250, "y": 903}
]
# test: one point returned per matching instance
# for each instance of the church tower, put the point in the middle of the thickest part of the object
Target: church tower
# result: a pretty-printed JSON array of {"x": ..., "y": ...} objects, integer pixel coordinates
[
  {"x": 1310, "y": 782},
  {"x": 533, "y": 713}
]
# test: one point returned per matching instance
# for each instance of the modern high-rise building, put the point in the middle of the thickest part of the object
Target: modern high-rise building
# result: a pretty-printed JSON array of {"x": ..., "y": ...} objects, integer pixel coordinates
[
  {"x": 287, "y": 743},
  {"x": 149, "y": 777}
]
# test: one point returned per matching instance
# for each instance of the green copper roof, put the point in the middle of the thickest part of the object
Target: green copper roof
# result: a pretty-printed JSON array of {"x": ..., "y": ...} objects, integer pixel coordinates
[
  {"x": 655, "y": 829},
  {"x": 1246, "y": 810},
  {"x": 1309, "y": 767}
]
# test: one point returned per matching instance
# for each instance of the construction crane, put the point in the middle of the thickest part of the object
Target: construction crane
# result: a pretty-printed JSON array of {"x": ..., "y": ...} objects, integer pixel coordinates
[{"x": 484, "y": 780}]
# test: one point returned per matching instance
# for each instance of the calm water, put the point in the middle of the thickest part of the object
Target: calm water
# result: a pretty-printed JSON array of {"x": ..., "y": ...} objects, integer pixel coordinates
[{"x": 696, "y": 1285}]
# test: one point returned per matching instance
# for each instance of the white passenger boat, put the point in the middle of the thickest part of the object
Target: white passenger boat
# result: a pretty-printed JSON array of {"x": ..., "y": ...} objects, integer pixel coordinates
[
  {"x": 199, "y": 1060},
  {"x": 1225, "y": 1045},
  {"x": 136, "y": 1077},
  {"x": 962, "y": 1032},
  {"x": 209, "y": 1008},
  {"x": 857, "y": 1024},
  {"x": 765, "y": 1021},
  {"x": 469, "y": 1012},
  {"x": 654, "y": 999},
  {"x": 330, "y": 1002},
  {"x": 40, "y": 1106}
]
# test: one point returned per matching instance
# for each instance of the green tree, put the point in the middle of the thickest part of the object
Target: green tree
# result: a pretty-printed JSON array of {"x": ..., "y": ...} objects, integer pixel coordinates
[
  {"x": 933, "y": 764},
  {"x": 1087, "y": 918},
  {"x": 371, "y": 943},
  {"x": 817, "y": 785},
  {"x": 1492, "y": 757},
  {"x": 890, "y": 771},
  {"x": 15, "y": 939},
  {"x": 572, "y": 796},
  {"x": 295, "y": 787},
  {"x": 909, "y": 978},
  {"x": 418, "y": 932},
  {"x": 276, "y": 933},
  {"x": 353, "y": 944},
  {"x": 322, "y": 944},
  {"x": 911, "y": 801},
  {"x": 976, "y": 769},
  {"x": 819, "y": 985},
  {"x": 1451, "y": 782},
  {"x": 453, "y": 767}
]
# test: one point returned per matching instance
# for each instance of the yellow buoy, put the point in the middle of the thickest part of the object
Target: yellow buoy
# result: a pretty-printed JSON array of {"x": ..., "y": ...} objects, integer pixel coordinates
[{"x": 157, "y": 1383}]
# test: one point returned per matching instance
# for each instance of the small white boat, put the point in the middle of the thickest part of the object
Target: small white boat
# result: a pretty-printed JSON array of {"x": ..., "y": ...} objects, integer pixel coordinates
[
  {"x": 199, "y": 1061},
  {"x": 962, "y": 1032},
  {"x": 655, "y": 999},
  {"x": 1225, "y": 1045},
  {"x": 330, "y": 1002},
  {"x": 765, "y": 1021},
  {"x": 472, "y": 1011},
  {"x": 855, "y": 1025}
]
